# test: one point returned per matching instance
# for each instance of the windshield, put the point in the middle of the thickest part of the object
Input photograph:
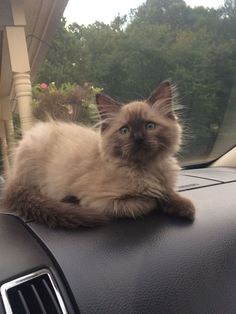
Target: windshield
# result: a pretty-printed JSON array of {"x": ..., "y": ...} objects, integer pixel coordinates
[{"x": 127, "y": 55}]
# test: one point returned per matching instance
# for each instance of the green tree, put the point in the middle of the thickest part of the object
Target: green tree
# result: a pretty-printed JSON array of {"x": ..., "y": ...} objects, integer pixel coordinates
[{"x": 195, "y": 47}]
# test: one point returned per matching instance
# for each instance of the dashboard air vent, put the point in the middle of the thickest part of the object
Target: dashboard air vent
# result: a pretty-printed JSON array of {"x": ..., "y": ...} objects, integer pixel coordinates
[{"x": 36, "y": 293}]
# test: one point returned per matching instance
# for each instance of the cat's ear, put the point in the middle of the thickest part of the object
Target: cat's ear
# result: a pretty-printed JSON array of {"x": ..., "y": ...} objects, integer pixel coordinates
[
  {"x": 162, "y": 98},
  {"x": 107, "y": 108},
  {"x": 107, "y": 105}
]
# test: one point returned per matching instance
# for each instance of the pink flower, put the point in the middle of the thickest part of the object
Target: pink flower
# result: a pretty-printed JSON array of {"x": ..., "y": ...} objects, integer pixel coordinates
[{"x": 43, "y": 85}]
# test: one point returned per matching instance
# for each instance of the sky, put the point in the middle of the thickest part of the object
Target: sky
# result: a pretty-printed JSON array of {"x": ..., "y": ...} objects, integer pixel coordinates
[{"x": 89, "y": 11}]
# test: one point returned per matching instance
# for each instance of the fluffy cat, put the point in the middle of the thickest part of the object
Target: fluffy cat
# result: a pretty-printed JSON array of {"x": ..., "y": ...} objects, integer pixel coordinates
[{"x": 68, "y": 175}]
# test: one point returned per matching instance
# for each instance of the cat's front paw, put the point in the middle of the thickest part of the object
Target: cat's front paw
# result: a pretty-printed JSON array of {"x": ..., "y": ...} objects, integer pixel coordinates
[
  {"x": 180, "y": 206},
  {"x": 186, "y": 209}
]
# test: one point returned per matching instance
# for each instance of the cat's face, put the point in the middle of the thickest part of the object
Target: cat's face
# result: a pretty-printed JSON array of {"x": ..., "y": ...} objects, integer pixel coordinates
[{"x": 142, "y": 130}]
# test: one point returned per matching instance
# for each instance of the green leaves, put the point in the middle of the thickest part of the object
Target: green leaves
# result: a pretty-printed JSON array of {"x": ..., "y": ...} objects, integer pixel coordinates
[{"x": 195, "y": 47}]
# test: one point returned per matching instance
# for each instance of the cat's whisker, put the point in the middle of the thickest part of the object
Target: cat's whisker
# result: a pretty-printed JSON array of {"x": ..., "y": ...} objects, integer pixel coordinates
[
  {"x": 107, "y": 120},
  {"x": 125, "y": 152},
  {"x": 163, "y": 145}
]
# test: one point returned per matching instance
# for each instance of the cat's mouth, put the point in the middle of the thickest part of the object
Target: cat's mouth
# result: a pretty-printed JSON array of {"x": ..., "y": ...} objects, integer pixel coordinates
[
  {"x": 143, "y": 146},
  {"x": 141, "y": 151},
  {"x": 140, "y": 148},
  {"x": 133, "y": 152}
]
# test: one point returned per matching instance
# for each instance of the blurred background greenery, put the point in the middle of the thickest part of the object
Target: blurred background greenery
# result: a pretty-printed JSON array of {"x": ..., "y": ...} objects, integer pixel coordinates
[{"x": 128, "y": 58}]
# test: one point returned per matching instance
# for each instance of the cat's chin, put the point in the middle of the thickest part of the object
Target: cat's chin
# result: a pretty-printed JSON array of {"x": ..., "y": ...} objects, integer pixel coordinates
[
  {"x": 146, "y": 157},
  {"x": 140, "y": 157}
]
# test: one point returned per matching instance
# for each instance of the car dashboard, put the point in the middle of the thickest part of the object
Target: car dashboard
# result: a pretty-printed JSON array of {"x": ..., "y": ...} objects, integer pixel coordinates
[{"x": 155, "y": 264}]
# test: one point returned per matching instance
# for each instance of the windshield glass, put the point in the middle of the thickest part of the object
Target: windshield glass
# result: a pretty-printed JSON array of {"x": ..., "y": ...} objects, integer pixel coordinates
[{"x": 128, "y": 55}]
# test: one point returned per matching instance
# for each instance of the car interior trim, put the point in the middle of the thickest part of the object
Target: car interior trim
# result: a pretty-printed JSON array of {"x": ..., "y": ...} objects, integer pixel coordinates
[{"x": 17, "y": 281}]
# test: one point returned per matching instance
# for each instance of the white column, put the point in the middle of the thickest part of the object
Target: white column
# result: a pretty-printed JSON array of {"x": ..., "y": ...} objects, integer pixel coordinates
[
  {"x": 23, "y": 92},
  {"x": 4, "y": 147},
  {"x": 19, "y": 60},
  {"x": 6, "y": 116},
  {"x": 10, "y": 135}
]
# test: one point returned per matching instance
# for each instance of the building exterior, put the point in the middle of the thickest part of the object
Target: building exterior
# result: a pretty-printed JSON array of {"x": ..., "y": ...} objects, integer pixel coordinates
[{"x": 26, "y": 29}]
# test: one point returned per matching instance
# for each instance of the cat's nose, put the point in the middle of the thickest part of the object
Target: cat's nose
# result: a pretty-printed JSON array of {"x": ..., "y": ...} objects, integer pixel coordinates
[{"x": 138, "y": 138}]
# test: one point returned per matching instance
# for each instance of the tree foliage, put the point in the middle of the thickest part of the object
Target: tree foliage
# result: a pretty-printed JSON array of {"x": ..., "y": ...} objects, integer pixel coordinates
[{"x": 195, "y": 47}]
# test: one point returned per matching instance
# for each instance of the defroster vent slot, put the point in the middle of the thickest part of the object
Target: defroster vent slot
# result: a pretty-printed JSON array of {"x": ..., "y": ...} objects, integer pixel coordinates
[{"x": 36, "y": 293}]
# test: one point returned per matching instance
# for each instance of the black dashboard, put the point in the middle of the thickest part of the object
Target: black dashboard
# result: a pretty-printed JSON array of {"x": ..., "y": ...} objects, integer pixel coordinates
[{"x": 157, "y": 264}]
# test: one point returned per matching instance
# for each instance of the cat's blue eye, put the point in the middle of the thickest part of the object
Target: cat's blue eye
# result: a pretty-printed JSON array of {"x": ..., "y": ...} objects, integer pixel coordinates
[
  {"x": 124, "y": 130},
  {"x": 150, "y": 125}
]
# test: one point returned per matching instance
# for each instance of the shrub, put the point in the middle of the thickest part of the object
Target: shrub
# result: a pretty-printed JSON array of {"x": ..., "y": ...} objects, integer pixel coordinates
[{"x": 69, "y": 102}]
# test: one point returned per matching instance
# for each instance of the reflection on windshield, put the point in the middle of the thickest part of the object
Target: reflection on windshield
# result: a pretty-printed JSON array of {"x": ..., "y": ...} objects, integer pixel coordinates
[
  {"x": 194, "y": 47},
  {"x": 226, "y": 137}
]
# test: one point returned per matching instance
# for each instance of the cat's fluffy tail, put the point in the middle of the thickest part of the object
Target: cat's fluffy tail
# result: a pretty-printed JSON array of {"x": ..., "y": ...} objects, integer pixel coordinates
[{"x": 29, "y": 203}]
